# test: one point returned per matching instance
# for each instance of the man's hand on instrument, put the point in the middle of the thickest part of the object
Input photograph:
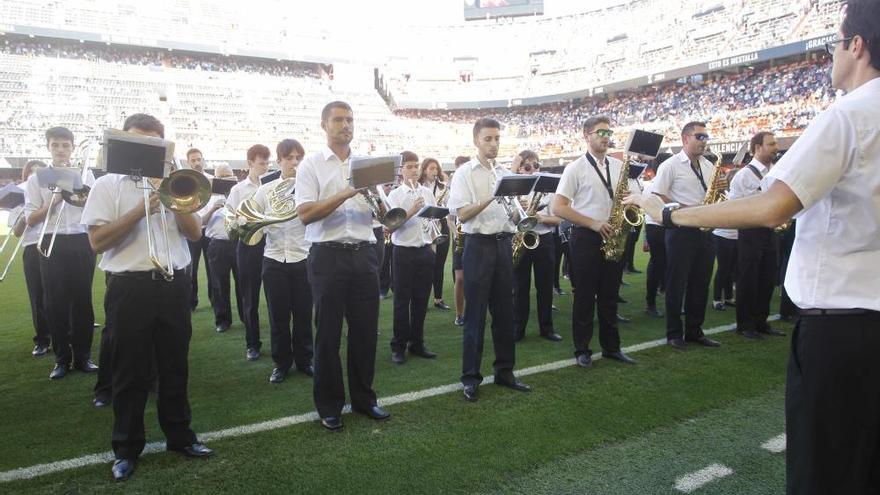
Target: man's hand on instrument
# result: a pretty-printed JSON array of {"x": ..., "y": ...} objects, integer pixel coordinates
[{"x": 650, "y": 203}]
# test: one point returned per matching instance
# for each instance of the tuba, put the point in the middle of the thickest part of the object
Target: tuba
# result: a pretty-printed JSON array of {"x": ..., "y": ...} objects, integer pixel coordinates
[{"x": 622, "y": 217}]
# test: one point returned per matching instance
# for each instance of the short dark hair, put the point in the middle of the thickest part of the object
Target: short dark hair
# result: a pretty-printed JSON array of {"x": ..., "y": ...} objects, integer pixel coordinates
[
  {"x": 325, "y": 113},
  {"x": 288, "y": 146},
  {"x": 461, "y": 160},
  {"x": 862, "y": 19},
  {"x": 258, "y": 150},
  {"x": 30, "y": 166},
  {"x": 527, "y": 155},
  {"x": 592, "y": 122},
  {"x": 191, "y": 151},
  {"x": 485, "y": 123},
  {"x": 408, "y": 156},
  {"x": 690, "y": 126},
  {"x": 758, "y": 140},
  {"x": 58, "y": 133},
  {"x": 144, "y": 122}
]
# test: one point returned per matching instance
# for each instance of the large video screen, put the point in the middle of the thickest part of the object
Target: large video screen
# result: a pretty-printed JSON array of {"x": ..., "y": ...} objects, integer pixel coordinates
[{"x": 489, "y": 9}]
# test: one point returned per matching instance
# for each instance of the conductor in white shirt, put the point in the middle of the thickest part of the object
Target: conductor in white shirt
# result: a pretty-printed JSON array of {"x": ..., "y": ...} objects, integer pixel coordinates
[{"x": 829, "y": 180}]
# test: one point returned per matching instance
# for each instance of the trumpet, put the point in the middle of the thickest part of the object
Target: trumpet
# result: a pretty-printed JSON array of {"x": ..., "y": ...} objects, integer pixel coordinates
[
  {"x": 515, "y": 211},
  {"x": 15, "y": 250}
]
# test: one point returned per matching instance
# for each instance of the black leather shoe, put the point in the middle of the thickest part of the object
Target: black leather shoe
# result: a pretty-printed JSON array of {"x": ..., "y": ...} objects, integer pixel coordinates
[
  {"x": 252, "y": 354},
  {"x": 584, "y": 360},
  {"x": 373, "y": 412},
  {"x": 459, "y": 321},
  {"x": 442, "y": 305},
  {"x": 332, "y": 423},
  {"x": 751, "y": 334},
  {"x": 221, "y": 328},
  {"x": 308, "y": 370},
  {"x": 278, "y": 375},
  {"x": 618, "y": 356},
  {"x": 677, "y": 344},
  {"x": 423, "y": 353},
  {"x": 519, "y": 336},
  {"x": 101, "y": 401},
  {"x": 471, "y": 393},
  {"x": 559, "y": 292},
  {"x": 633, "y": 269},
  {"x": 40, "y": 350},
  {"x": 622, "y": 319},
  {"x": 122, "y": 469},
  {"x": 706, "y": 342},
  {"x": 398, "y": 357},
  {"x": 86, "y": 366},
  {"x": 621, "y": 300},
  {"x": 59, "y": 371},
  {"x": 551, "y": 336},
  {"x": 194, "y": 450},
  {"x": 653, "y": 311},
  {"x": 512, "y": 383},
  {"x": 771, "y": 331}
]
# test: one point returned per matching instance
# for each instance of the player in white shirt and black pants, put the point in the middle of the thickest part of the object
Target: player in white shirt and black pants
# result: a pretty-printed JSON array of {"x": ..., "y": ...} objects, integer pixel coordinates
[
  {"x": 487, "y": 262},
  {"x": 343, "y": 272},
  {"x": 148, "y": 317},
  {"x": 67, "y": 274},
  {"x": 249, "y": 259},
  {"x": 412, "y": 264},
  {"x": 655, "y": 276},
  {"x": 829, "y": 179},
  {"x": 684, "y": 179},
  {"x": 584, "y": 197},
  {"x": 285, "y": 273}
]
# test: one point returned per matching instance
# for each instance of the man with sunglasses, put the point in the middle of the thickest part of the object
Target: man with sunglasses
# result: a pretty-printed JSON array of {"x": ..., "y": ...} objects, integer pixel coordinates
[
  {"x": 683, "y": 180},
  {"x": 830, "y": 180},
  {"x": 542, "y": 258}
]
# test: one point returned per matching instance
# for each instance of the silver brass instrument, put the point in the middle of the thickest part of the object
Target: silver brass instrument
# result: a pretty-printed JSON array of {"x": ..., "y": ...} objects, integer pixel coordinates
[
  {"x": 15, "y": 250},
  {"x": 251, "y": 219},
  {"x": 391, "y": 218},
  {"x": 528, "y": 239},
  {"x": 622, "y": 217},
  {"x": 515, "y": 211}
]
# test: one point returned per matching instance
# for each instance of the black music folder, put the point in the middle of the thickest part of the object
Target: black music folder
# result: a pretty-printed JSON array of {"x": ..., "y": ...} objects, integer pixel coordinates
[
  {"x": 644, "y": 143},
  {"x": 515, "y": 185},
  {"x": 222, "y": 186},
  {"x": 433, "y": 212},
  {"x": 128, "y": 153},
  {"x": 11, "y": 196},
  {"x": 547, "y": 183},
  {"x": 269, "y": 177}
]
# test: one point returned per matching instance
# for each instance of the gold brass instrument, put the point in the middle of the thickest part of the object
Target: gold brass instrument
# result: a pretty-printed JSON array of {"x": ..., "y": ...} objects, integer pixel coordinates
[
  {"x": 441, "y": 192},
  {"x": 15, "y": 250},
  {"x": 622, "y": 217},
  {"x": 280, "y": 207},
  {"x": 459, "y": 237},
  {"x": 714, "y": 194},
  {"x": 528, "y": 239}
]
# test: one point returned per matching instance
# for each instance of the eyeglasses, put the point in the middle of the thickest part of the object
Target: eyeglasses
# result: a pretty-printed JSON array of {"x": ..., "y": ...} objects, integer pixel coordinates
[
  {"x": 831, "y": 45},
  {"x": 603, "y": 132},
  {"x": 701, "y": 136}
]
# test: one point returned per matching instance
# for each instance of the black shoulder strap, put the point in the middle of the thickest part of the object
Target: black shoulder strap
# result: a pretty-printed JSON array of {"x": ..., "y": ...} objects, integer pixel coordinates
[{"x": 606, "y": 180}]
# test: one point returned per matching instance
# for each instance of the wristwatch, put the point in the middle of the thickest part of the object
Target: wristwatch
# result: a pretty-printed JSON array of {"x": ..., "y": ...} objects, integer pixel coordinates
[{"x": 668, "y": 208}]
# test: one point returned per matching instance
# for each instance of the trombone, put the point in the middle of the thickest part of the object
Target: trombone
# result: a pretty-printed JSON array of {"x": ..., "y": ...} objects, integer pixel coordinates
[{"x": 6, "y": 239}]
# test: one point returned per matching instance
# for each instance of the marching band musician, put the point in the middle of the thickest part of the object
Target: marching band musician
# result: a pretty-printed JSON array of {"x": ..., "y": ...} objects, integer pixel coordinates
[
  {"x": 196, "y": 161},
  {"x": 431, "y": 176},
  {"x": 343, "y": 272},
  {"x": 249, "y": 259},
  {"x": 656, "y": 240},
  {"x": 684, "y": 179},
  {"x": 67, "y": 274},
  {"x": 148, "y": 317},
  {"x": 487, "y": 263},
  {"x": 220, "y": 256},
  {"x": 457, "y": 249},
  {"x": 285, "y": 272},
  {"x": 412, "y": 264},
  {"x": 541, "y": 258},
  {"x": 584, "y": 197}
]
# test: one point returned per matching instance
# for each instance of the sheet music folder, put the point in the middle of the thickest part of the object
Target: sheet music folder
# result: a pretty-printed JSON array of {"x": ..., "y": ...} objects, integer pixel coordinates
[
  {"x": 66, "y": 179},
  {"x": 11, "y": 196},
  {"x": 222, "y": 186},
  {"x": 515, "y": 185},
  {"x": 129, "y": 153},
  {"x": 547, "y": 183},
  {"x": 433, "y": 212},
  {"x": 373, "y": 171},
  {"x": 644, "y": 143}
]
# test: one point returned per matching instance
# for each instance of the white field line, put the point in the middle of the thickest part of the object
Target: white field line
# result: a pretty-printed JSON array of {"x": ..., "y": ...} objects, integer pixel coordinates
[
  {"x": 697, "y": 479},
  {"x": 775, "y": 444},
  {"x": 237, "y": 431}
]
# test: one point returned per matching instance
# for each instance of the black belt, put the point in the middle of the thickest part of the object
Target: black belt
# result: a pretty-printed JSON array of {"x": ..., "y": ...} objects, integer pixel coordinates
[
  {"x": 348, "y": 246},
  {"x": 835, "y": 312},
  {"x": 491, "y": 237},
  {"x": 146, "y": 274},
  {"x": 396, "y": 246}
]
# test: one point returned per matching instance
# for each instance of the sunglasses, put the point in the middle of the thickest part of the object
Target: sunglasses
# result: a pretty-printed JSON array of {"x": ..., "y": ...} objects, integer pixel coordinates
[
  {"x": 701, "y": 136},
  {"x": 603, "y": 132},
  {"x": 527, "y": 167}
]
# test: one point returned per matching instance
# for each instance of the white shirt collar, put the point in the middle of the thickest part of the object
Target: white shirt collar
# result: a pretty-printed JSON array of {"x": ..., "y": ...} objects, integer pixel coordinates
[{"x": 327, "y": 153}]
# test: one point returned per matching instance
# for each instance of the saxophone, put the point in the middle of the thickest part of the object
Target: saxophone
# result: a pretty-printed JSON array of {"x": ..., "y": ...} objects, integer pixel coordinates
[
  {"x": 527, "y": 239},
  {"x": 714, "y": 194},
  {"x": 459, "y": 237},
  {"x": 622, "y": 217}
]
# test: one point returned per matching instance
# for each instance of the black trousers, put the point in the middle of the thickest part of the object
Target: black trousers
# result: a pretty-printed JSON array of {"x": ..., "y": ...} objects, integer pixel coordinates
[
  {"x": 543, "y": 262},
  {"x": 442, "y": 251},
  {"x": 557, "y": 257},
  {"x": 725, "y": 274},
  {"x": 384, "y": 257},
  {"x": 345, "y": 283},
  {"x": 488, "y": 278},
  {"x": 33, "y": 281},
  {"x": 195, "y": 251},
  {"x": 221, "y": 258},
  {"x": 787, "y": 309},
  {"x": 150, "y": 330},
  {"x": 656, "y": 276},
  {"x": 689, "y": 258},
  {"x": 629, "y": 250},
  {"x": 249, "y": 260},
  {"x": 67, "y": 285},
  {"x": 832, "y": 408},
  {"x": 756, "y": 270},
  {"x": 412, "y": 270},
  {"x": 289, "y": 296},
  {"x": 596, "y": 283}
]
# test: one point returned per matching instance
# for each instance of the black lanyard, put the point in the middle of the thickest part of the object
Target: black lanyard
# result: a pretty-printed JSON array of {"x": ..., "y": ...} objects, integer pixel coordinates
[
  {"x": 699, "y": 173},
  {"x": 606, "y": 181},
  {"x": 757, "y": 173}
]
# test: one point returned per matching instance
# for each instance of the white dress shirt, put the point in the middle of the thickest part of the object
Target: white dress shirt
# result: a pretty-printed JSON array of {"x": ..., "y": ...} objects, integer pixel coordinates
[
  {"x": 678, "y": 181},
  {"x": 412, "y": 232},
  {"x": 31, "y": 234},
  {"x": 547, "y": 201},
  {"x": 111, "y": 197},
  {"x": 647, "y": 189},
  {"x": 581, "y": 185},
  {"x": 834, "y": 170},
  {"x": 285, "y": 241},
  {"x": 320, "y": 176},
  {"x": 242, "y": 191},
  {"x": 471, "y": 184},
  {"x": 216, "y": 226},
  {"x": 36, "y": 197}
]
